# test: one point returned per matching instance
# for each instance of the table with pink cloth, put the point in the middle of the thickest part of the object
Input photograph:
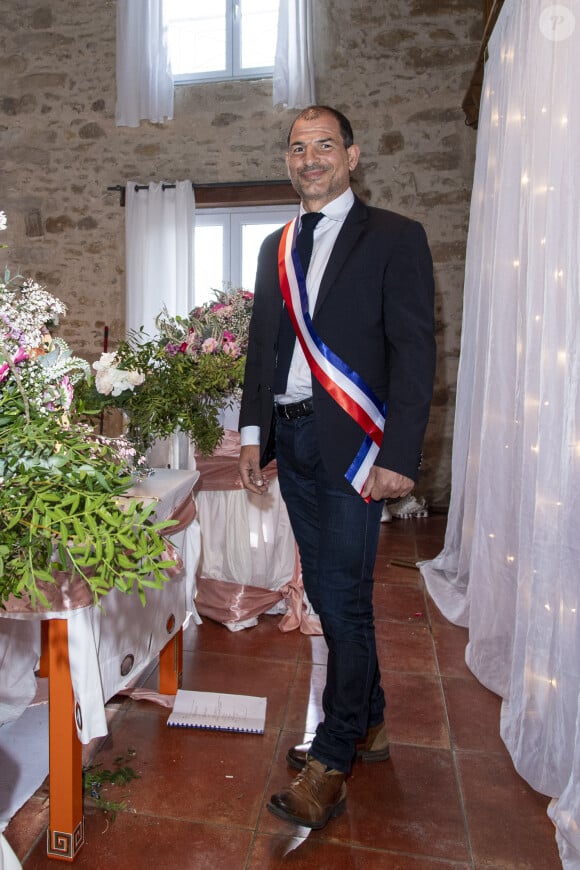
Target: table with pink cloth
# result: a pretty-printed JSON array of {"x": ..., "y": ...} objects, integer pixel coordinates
[{"x": 249, "y": 562}]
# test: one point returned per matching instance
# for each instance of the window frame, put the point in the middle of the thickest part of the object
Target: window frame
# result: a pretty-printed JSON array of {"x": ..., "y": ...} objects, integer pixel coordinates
[
  {"x": 232, "y": 219},
  {"x": 233, "y": 52}
]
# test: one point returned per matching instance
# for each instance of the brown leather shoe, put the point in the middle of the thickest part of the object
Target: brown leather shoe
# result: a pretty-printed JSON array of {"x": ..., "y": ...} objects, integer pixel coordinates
[
  {"x": 374, "y": 747},
  {"x": 317, "y": 794}
]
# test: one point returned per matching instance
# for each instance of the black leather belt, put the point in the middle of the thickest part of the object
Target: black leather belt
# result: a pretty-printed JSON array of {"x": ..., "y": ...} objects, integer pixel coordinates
[{"x": 295, "y": 410}]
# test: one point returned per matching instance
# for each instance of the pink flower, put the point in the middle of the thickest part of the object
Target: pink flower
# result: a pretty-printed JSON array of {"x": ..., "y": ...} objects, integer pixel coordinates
[
  {"x": 210, "y": 345},
  {"x": 228, "y": 336},
  {"x": 231, "y": 348},
  {"x": 4, "y": 369},
  {"x": 21, "y": 355}
]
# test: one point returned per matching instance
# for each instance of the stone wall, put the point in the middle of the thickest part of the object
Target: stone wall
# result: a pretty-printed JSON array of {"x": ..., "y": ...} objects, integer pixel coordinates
[{"x": 397, "y": 68}]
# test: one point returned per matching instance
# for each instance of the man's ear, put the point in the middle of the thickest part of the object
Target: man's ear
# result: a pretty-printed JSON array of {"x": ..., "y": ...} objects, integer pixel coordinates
[{"x": 353, "y": 156}]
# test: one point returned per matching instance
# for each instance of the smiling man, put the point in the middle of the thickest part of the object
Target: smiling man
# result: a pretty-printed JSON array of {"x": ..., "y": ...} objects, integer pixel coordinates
[
  {"x": 338, "y": 385},
  {"x": 320, "y": 158}
]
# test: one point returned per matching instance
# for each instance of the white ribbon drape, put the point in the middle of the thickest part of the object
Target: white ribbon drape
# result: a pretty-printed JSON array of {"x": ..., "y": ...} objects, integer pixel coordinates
[
  {"x": 144, "y": 80},
  {"x": 159, "y": 243},
  {"x": 509, "y": 568},
  {"x": 293, "y": 85}
]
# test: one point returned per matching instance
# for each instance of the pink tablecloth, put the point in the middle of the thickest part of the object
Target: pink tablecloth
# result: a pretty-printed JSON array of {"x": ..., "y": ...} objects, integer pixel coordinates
[{"x": 249, "y": 560}]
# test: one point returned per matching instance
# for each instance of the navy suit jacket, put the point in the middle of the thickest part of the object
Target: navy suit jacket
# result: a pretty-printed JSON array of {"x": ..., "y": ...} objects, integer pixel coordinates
[{"x": 375, "y": 311}]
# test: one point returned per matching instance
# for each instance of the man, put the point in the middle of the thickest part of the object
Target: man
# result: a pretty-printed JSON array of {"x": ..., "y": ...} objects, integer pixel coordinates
[{"x": 344, "y": 408}]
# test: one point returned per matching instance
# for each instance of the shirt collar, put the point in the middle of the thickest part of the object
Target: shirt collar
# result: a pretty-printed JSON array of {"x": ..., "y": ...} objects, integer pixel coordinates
[{"x": 338, "y": 208}]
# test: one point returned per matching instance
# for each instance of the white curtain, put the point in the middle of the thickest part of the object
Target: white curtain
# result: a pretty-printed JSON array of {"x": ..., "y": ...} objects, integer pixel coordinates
[
  {"x": 510, "y": 567},
  {"x": 293, "y": 85},
  {"x": 144, "y": 80},
  {"x": 159, "y": 243}
]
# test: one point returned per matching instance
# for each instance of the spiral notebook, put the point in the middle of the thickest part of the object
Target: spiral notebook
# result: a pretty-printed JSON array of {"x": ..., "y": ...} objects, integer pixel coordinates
[{"x": 218, "y": 711}]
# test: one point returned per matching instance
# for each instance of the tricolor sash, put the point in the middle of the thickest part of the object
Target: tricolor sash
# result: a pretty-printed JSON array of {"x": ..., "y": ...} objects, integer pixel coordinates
[{"x": 344, "y": 385}]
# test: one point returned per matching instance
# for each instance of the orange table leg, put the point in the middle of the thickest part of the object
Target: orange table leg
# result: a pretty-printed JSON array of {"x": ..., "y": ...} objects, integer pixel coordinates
[
  {"x": 43, "y": 662},
  {"x": 171, "y": 665},
  {"x": 66, "y": 830}
]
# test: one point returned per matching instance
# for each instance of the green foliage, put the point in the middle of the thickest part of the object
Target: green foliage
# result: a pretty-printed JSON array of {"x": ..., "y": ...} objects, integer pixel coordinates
[
  {"x": 94, "y": 778},
  {"x": 63, "y": 492},
  {"x": 178, "y": 393},
  {"x": 181, "y": 378},
  {"x": 63, "y": 507}
]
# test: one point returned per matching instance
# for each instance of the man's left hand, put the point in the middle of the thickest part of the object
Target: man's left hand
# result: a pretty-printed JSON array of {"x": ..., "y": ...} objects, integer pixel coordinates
[{"x": 383, "y": 483}]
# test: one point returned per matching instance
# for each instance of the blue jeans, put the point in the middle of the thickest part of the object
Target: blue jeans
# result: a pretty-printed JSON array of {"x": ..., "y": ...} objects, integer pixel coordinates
[{"x": 337, "y": 535}]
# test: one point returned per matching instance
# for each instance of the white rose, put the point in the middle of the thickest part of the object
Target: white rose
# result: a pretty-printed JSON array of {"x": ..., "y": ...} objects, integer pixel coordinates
[
  {"x": 104, "y": 381},
  {"x": 121, "y": 382},
  {"x": 106, "y": 361}
]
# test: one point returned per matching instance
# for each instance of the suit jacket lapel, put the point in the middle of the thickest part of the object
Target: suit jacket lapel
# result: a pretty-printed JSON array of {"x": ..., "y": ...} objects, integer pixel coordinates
[{"x": 352, "y": 229}]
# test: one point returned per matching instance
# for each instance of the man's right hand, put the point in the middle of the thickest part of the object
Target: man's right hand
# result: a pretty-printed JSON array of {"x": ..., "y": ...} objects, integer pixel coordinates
[{"x": 253, "y": 477}]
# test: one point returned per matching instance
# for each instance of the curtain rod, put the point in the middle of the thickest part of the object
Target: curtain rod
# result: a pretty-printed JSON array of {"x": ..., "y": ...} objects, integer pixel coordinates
[{"x": 121, "y": 188}]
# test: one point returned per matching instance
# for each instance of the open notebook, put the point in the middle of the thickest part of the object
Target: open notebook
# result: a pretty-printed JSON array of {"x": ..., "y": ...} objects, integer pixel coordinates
[{"x": 218, "y": 711}]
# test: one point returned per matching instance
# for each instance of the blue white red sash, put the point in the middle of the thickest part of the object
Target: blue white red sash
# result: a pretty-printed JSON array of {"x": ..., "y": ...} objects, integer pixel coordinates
[{"x": 344, "y": 385}]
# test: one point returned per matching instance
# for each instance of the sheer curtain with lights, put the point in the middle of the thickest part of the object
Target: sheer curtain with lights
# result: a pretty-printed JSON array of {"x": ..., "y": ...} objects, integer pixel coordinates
[{"x": 510, "y": 567}]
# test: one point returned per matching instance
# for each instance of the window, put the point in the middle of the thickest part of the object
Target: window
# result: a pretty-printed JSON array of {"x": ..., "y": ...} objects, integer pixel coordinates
[
  {"x": 221, "y": 39},
  {"x": 226, "y": 245}
]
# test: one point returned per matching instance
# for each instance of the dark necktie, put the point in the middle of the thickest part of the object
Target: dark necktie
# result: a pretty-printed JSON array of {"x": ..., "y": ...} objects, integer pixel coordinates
[{"x": 286, "y": 334}]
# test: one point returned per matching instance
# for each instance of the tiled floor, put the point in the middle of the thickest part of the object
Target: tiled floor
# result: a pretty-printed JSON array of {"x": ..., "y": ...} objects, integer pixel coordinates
[{"x": 448, "y": 799}]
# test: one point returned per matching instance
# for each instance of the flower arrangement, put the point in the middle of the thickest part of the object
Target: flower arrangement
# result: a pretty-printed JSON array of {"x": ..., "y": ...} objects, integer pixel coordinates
[
  {"x": 180, "y": 379},
  {"x": 63, "y": 505}
]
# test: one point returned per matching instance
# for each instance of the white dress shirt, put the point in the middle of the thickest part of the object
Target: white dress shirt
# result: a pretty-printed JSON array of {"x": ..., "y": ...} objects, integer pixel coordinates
[{"x": 299, "y": 384}]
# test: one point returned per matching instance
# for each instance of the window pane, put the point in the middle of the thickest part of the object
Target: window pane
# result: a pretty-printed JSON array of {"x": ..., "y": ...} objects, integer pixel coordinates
[
  {"x": 259, "y": 24},
  {"x": 252, "y": 237},
  {"x": 209, "y": 262},
  {"x": 196, "y": 35}
]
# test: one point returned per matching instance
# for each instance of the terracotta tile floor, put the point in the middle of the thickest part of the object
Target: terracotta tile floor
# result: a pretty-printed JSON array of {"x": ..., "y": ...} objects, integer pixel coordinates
[{"x": 449, "y": 798}]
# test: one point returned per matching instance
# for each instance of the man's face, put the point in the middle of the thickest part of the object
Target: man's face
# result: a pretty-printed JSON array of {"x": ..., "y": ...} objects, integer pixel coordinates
[{"x": 319, "y": 165}]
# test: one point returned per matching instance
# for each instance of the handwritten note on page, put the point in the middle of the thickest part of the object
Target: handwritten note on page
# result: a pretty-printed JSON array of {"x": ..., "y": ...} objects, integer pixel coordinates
[{"x": 219, "y": 711}]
